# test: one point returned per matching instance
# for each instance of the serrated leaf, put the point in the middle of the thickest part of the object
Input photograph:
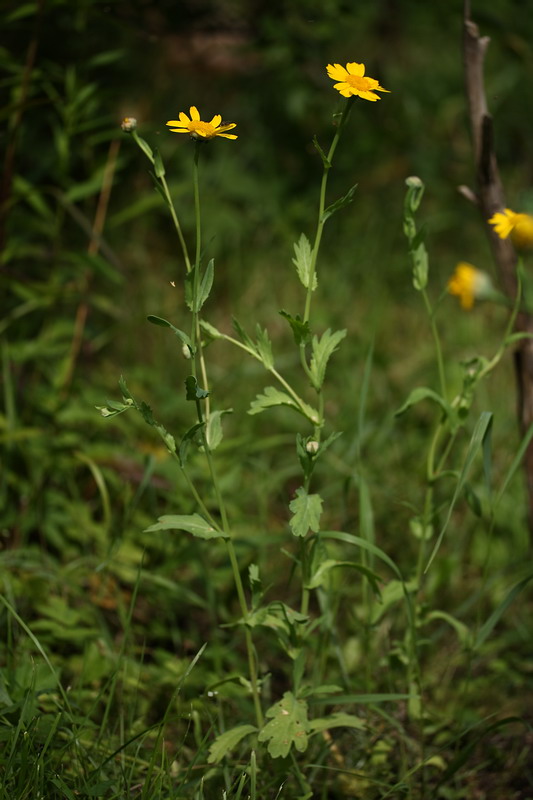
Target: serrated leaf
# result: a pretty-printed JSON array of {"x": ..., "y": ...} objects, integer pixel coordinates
[
  {"x": 271, "y": 397},
  {"x": 227, "y": 741},
  {"x": 124, "y": 389},
  {"x": 303, "y": 257},
  {"x": 213, "y": 431},
  {"x": 323, "y": 349},
  {"x": 288, "y": 726},
  {"x": 340, "y": 203},
  {"x": 300, "y": 329},
  {"x": 146, "y": 413},
  {"x": 264, "y": 347},
  {"x": 191, "y": 523},
  {"x": 336, "y": 720},
  {"x": 424, "y": 393},
  {"x": 193, "y": 391},
  {"x": 306, "y": 509},
  {"x": 241, "y": 333}
]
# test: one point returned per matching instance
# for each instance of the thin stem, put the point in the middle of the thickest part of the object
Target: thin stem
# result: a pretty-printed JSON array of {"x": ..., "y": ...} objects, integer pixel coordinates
[
  {"x": 196, "y": 336},
  {"x": 177, "y": 225},
  {"x": 438, "y": 348},
  {"x": 275, "y": 373},
  {"x": 197, "y": 205},
  {"x": 321, "y": 206},
  {"x": 197, "y": 342},
  {"x": 236, "y": 577},
  {"x": 168, "y": 197}
]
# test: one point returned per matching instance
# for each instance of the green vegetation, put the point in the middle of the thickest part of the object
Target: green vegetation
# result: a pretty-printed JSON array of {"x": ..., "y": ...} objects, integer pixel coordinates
[{"x": 290, "y": 557}]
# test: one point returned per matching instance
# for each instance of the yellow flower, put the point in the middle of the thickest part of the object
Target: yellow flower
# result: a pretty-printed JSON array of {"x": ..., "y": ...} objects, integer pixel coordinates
[
  {"x": 518, "y": 226},
  {"x": 201, "y": 131},
  {"x": 352, "y": 81},
  {"x": 469, "y": 284}
]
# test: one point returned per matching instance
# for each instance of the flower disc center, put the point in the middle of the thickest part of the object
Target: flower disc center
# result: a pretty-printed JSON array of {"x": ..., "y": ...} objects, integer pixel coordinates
[
  {"x": 205, "y": 127},
  {"x": 359, "y": 82}
]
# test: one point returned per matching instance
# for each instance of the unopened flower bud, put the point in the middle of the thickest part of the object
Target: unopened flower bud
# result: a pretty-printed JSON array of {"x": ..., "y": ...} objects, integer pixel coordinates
[
  {"x": 312, "y": 447},
  {"x": 186, "y": 351},
  {"x": 128, "y": 124}
]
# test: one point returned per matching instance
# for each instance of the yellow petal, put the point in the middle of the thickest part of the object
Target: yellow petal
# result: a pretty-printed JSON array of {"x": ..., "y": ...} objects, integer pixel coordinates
[
  {"x": 215, "y": 122},
  {"x": 336, "y": 72},
  {"x": 184, "y": 119},
  {"x": 341, "y": 86},
  {"x": 522, "y": 233},
  {"x": 227, "y": 127},
  {"x": 174, "y": 122},
  {"x": 179, "y": 130},
  {"x": 227, "y": 135},
  {"x": 195, "y": 114},
  {"x": 355, "y": 69},
  {"x": 369, "y": 96}
]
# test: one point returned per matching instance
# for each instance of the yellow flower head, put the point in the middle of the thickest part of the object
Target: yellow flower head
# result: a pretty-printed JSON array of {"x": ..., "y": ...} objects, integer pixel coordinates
[
  {"x": 201, "y": 131},
  {"x": 518, "y": 226},
  {"x": 353, "y": 82},
  {"x": 468, "y": 284}
]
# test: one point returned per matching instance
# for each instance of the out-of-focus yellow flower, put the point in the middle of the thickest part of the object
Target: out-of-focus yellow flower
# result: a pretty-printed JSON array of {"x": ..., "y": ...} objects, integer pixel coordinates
[
  {"x": 469, "y": 283},
  {"x": 201, "y": 131},
  {"x": 518, "y": 226},
  {"x": 352, "y": 81}
]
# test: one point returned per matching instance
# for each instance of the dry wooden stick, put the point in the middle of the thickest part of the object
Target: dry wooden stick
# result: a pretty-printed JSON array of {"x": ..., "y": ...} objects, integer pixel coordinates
[{"x": 489, "y": 197}]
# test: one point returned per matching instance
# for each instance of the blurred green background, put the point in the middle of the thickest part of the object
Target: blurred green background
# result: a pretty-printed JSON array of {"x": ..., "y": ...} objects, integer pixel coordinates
[
  {"x": 77, "y": 490},
  {"x": 72, "y": 71}
]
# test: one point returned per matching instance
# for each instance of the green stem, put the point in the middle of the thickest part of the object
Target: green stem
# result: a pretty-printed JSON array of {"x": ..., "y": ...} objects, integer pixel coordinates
[
  {"x": 196, "y": 337},
  {"x": 197, "y": 343},
  {"x": 321, "y": 206},
  {"x": 148, "y": 153},
  {"x": 197, "y": 205},
  {"x": 297, "y": 399},
  {"x": 176, "y": 221},
  {"x": 236, "y": 576},
  {"x": 438, "y": 348}
]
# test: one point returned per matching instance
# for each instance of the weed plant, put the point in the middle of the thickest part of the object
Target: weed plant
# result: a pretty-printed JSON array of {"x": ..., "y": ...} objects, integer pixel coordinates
[
  {"x": 320, "y": 610},
  {"x": 305, "y": 690}
]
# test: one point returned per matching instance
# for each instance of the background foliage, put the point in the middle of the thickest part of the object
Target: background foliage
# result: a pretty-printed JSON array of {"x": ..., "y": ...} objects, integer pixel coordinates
[{"x": 119, "y": 616}]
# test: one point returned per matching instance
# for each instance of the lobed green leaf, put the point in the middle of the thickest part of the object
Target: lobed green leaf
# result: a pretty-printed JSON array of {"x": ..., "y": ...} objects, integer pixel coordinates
[
  {"x": 227, "y": 741},
  {"x": 303, "y": 258},
  {"x": 288, "y": 726},
  {"x": 323, "y": 349},
  {"x": 306, "y": 509}
]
